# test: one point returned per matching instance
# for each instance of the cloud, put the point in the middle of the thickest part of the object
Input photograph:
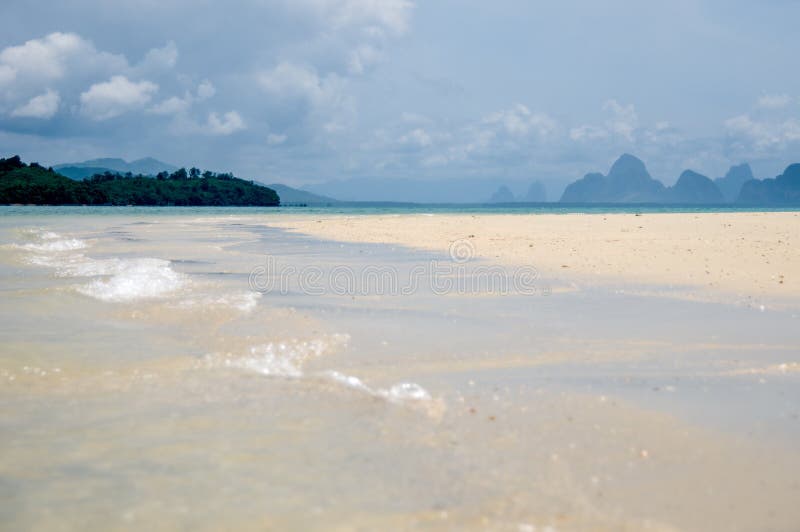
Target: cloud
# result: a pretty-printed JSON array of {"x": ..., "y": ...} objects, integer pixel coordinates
[
  {"x": 623, "y": 121},
  {"x": 304, "y": 72},
  {"x": 42, "y": 106},
  {"x": 418, "y": 137},
  {"x": 362, "y": 58},
  {"x": 172, "y": 106},
  {"x": 320, "y": 104},
  {"x": 164, "y": 58},
  {"x": 588, "y": 132},
  {"x": 229, "y": 123},
  {"x": 176, "y": 105},
  {"x": 289, "y": 80},
  {"x": 274, "y": 139},
  {"x": 37, "y": 76},
  {"x": 205, "y": 91},
  {"x": 774, "y": 101},
  {"x": 762, "y": 135},
  {"x": 115, "y": 97},
  {"x": 53, "y": 57},
  {"x": 375, "y": 15},
  {"x": 520, "y": 121}
]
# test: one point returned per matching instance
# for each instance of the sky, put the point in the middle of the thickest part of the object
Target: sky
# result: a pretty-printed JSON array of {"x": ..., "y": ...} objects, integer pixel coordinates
[{"x": 305, "y": 91}]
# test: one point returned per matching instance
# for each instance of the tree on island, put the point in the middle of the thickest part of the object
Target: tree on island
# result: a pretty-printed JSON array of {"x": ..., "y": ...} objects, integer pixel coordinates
[{"x": 32, "y": 184}]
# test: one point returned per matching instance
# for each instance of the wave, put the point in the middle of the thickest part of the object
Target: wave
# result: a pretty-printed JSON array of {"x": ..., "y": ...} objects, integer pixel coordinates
[
  {"x": 116, "y": 279},
  {"x": 135, "y": 279},
  {"x": 286, "y": 360},
  {"x": 399, "y": 393}
]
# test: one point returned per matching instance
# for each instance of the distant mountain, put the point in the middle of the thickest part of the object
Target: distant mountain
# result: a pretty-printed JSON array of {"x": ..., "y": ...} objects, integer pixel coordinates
[
  {"x": 296, "y": 196},
  {"x": 692, "y": 187},
  {"x": 731, "y": 184},
  {"x": 627, "y": 182},
  {"x": 452, "y": 190},
  {"x": 502, "y": 195},
  {"x": 536, "y": 193},
  {"x": 146, "y": 166},
  {"x": 80, "y": 173},
  {"x": 782, "y": 190}
]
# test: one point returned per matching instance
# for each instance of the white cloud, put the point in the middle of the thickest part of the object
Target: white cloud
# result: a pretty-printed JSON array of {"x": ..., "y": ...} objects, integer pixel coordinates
[
  {"x": 588, "y": 132},
  {"x": 205, "y": 91},
  {"x": 164, "y": 58},
  {"x": 623, "y": 123},
  {"x": 325, "y": 99},
  {"x": 229, "y": 123},
  {"x": 44, "y": 56},
  {"x": 774, "y": 101},
  {"x": 362, "y": 58},
  {"x": 115, "y": 97},
  {"x": 7, "y": 74},
  {"x": 177, "y": 105},
  {"x": 520, "y": 121},
  {"x": 41, "y": 106},
  {"x": 172, "y": 106},
  {"x": 375, "y": 15},
  {"x": 624, "y": 120},
  {"x": 274, "y": 139},
  {"x": 291, "y": 80},
  {"x": 418, "y": 137},
  {"x": 53, "y": 57},
  {"x": 763, "y": 134}
]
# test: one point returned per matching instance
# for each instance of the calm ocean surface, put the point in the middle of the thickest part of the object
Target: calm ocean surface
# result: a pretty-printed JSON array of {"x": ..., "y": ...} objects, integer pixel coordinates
[{"x": 382, "y": 208}]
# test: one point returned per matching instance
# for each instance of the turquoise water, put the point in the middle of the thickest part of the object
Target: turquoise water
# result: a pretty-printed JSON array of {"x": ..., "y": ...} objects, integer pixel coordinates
[{"x": 384, "y": 208}]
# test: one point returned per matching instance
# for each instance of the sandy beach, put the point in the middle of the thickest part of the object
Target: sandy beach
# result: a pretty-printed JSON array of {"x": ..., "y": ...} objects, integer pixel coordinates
[
  {"x": 165, "y": 392},
  {"x": 727, "y": 255}
]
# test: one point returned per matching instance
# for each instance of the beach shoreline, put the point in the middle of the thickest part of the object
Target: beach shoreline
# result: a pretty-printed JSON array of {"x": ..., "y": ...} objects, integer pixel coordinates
[{"x": 695, "y": 255}]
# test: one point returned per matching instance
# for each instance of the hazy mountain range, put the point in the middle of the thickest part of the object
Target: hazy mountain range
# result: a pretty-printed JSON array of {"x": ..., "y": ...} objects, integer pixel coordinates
[
  {"x": 457, "y": 190},
  {"x": 782, "y": 190},
  {"x": 295, "y": 196},
  {"x": 628, "y": 181},
  {"x": 536, "y": 194},
  {"x": 146, "y": 166}
]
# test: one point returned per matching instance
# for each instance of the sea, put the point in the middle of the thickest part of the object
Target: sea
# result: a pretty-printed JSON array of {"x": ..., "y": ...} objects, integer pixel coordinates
[{"x": 197, "y": 368}]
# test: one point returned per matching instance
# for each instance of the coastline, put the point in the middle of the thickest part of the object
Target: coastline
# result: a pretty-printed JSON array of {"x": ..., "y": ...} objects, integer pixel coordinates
[{"x": 700, "y": 255}]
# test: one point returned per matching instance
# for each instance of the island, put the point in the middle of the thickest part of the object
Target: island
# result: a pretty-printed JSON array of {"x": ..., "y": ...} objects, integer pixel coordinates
[{"x": 22, "y": 183}]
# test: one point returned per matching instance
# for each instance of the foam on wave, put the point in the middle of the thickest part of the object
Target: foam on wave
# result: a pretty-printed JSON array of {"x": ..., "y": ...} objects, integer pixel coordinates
[
  {"x": 136, "y": 279},
  {"x": 286, "y": 360},
  {"x": 117, "y": 279}
]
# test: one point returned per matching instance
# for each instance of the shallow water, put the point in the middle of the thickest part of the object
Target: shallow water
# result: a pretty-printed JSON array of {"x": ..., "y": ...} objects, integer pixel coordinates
[{"x": 190, "y": 369}]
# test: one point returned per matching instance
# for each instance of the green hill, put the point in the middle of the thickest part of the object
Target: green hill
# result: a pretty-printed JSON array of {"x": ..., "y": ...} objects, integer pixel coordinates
[
  {"x": 146, "y": 166},
  {"x": 34, "y": 184}
]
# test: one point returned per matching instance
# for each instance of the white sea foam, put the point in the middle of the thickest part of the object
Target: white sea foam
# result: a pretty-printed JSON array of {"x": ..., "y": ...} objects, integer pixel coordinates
[
  {"x": 287, "y": 360},
  {"x": 136, "y": 279},
  {"x": 399, "y": 393},
  {"x": 244, "y": 302},
  {"x": 117, "y": 279},
  {"x": 283, "y": 359},
  {"x": 52, "y": 244}
]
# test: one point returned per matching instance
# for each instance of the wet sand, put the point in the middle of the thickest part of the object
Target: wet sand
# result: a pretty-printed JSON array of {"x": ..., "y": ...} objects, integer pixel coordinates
[{"x": 713, "y": 254}]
